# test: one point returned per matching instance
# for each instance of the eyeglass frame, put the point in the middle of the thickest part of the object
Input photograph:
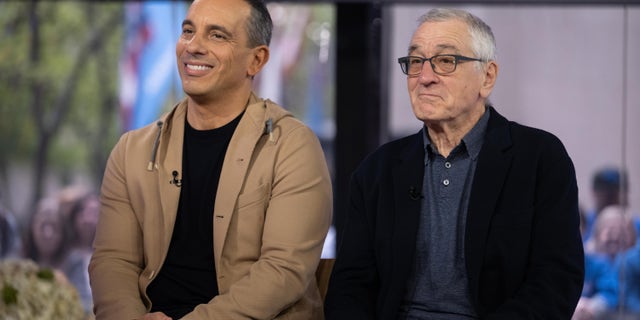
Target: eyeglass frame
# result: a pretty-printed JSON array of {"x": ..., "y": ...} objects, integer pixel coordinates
[{"x": 456, "y": 58}]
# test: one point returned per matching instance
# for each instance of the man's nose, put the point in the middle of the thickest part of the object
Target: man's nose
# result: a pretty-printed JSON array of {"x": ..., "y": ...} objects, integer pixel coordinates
[
  {"x": 427, "y": 75},
  {"x": 195, "y": 45}
]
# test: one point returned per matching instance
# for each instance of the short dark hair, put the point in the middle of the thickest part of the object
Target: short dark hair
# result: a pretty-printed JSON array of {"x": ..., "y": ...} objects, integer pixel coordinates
[
  {"x": 610, "y": 178},
  {"x": 259, "y": 25}
]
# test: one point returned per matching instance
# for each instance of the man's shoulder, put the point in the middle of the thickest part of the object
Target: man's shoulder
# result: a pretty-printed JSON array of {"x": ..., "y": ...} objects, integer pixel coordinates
[
  {"x": 530, "y": 131},
  {"x": 534, "y": 144},
  {"x": 536, "y": 139},
  {"x": 267, "y": 110},
  {"x": 140, "y": 139},
  {"x": 164, "y": 123},
  {"x": 498, "y": 121},
  {"x": 387, "y": 154},
  {"x": 399, "y": 145}
]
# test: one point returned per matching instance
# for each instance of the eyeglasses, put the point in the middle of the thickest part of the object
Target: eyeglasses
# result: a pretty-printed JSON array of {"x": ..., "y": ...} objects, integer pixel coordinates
[{"x": 441, "y": 64}]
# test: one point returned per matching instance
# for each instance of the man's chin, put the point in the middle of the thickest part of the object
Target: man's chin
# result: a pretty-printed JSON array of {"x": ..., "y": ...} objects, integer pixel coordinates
[
  {"x": 196, "y": 94},
  {"x": 425, "y": 113}
]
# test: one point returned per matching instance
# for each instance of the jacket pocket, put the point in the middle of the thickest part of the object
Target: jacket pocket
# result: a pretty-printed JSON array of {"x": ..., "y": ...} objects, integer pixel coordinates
[
  {"x": 253, "y": 197},
  {"x": 248, "y": 222}
]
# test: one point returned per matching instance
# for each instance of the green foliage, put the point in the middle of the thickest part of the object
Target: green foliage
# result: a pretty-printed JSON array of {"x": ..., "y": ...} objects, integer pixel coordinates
[
  {"x": 15, "y": 136},
  {"x": 9, "y": 294},
  {"x": 67, "y": 30},
  {"x": 45, "y": 274}
]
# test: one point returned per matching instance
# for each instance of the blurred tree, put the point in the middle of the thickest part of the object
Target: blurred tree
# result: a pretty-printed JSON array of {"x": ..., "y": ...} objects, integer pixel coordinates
[{"x": 58, "y": 80}]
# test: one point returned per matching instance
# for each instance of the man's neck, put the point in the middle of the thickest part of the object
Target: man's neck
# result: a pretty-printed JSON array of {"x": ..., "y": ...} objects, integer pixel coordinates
[
  {"x": 446, "y": 135},
  {"x": 212, "y": 114}
]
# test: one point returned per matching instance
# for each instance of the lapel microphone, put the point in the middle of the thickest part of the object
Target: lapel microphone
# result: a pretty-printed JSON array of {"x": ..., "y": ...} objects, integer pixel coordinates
[
  {"x": 177, "y": 182},
  {"x": 414, "y": 194}
]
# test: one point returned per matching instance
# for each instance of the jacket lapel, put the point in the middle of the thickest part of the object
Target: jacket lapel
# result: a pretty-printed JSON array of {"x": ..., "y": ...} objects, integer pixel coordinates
[
  {"x": 408, "y": 170},
  {"x": 169, "y": 155},
  {"x": 171, "y": 142},
  {"x": 492, "y": 168},
  {"x": 234, "y": 169}
]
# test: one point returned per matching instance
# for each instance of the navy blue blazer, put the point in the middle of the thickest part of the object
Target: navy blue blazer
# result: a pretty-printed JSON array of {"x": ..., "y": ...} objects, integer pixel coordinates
[{"x": 523, "y": 250}]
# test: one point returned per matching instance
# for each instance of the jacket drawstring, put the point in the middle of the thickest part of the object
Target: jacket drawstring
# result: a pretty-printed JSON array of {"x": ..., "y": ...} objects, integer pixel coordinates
[
  {"x": 154, "y": 151},
  {"x": 269, "y": 128},
  {"x": 268, "y": 125}
]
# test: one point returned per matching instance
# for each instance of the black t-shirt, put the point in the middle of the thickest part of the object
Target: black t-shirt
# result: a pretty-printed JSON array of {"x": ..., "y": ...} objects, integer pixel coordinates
[{"x": 188, "y": 275}]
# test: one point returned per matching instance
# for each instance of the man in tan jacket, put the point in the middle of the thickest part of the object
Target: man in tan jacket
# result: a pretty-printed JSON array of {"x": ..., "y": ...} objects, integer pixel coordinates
[{"x": 220, "y": 209}]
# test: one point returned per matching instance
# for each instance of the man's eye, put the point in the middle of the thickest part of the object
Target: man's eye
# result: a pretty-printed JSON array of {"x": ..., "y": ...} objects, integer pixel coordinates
[
  {"x": 218, "y": 36},
  {"x": 415, "y": 61},
  {"x": 446, "y": 60}
]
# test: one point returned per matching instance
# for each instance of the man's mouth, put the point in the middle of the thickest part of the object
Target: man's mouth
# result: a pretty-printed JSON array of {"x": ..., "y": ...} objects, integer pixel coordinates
[{"x": 198, "y": 67}]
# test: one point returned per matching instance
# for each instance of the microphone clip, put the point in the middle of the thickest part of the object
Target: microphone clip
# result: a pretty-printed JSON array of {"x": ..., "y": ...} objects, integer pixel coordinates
[
  {"x": 414, "y": 194},
  {"x": 175, "y": 181}
]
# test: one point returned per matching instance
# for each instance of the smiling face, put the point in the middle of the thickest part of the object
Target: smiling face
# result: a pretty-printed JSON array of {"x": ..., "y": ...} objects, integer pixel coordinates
[
  {"x": 458, "y": 97},
  {"x": 212, "y": 52}
]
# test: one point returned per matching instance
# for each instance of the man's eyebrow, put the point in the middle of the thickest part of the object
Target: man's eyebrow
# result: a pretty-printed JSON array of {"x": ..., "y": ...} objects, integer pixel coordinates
[
  {"x": 209, "y": 28},
  {"x": 412, "y": 48},
  {"x": 440, "y": 47}
]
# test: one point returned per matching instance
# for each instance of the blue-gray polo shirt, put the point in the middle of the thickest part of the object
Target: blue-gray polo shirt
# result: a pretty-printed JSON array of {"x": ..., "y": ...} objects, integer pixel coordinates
[{"x": 438, "y": 288}]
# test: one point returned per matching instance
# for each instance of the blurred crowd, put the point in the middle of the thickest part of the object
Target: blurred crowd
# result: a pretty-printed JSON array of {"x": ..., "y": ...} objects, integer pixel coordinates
[
  {"x": 612, "y": 253},
  {"x": 57, "y": 235}
]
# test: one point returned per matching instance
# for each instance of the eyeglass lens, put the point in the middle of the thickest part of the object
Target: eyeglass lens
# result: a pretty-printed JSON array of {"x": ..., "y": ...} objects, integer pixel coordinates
[{"x": 440, "y": 64}]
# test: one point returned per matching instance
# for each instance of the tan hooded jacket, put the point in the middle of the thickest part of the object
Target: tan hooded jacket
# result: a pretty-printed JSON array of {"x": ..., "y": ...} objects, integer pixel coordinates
[{"x": 272, "y": 212}]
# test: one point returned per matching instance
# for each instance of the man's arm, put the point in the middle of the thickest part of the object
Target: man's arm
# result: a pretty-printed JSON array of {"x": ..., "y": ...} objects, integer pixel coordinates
[
  {"x": 117, "y": 260},
  {"x": 353, "y": 286},
  {"x": 555, "y": 273}
]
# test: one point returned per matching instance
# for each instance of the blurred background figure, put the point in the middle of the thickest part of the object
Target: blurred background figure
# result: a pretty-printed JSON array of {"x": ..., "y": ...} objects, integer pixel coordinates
[
  {"x": 599, "y": 291},
  {"x": 82, "y": 220},
  {"x": 613, "y": 233},
  {"x": 9, "y": 234},
  {"x": 45, "y": 237},
  {"x": 610, "y": 186},
  {"x": 629, "y": 270}
]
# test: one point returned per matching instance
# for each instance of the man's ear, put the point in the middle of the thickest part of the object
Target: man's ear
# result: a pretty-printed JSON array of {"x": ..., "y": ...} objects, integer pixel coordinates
[
  {"x": 490, "y": 77},
  {"x": 259, "y": 58}
]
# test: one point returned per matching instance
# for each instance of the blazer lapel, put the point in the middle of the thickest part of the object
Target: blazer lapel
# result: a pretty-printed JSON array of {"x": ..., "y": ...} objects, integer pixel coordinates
[
  {"x": 408, "y": 170},
  {"x": 171, "y": 142},
  {"x": 234, "y": 170},
  {"x": 492, "y": 168}
]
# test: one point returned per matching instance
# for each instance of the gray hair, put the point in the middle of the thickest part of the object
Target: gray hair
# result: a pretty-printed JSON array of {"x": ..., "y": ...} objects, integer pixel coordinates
[
  {"x": 483, "y": 43},
  {"x": 259, "y": 25}
]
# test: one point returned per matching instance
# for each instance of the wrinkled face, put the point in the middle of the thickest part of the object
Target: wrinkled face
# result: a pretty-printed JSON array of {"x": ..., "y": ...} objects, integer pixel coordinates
[
  {"x": 47, "y": 231},
  {"x": 212, "y": 53},
  {"x": 436, "y": 97}
]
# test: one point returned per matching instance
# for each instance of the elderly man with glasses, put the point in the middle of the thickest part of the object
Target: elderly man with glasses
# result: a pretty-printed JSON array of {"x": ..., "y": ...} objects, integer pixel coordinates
[{"x": 474, "y": 216}]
